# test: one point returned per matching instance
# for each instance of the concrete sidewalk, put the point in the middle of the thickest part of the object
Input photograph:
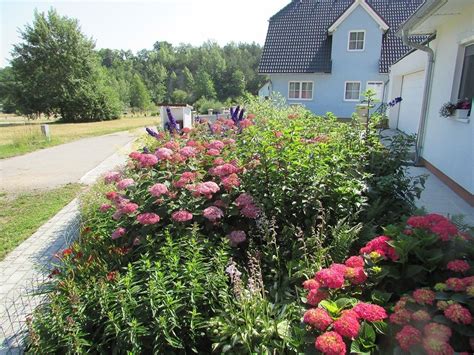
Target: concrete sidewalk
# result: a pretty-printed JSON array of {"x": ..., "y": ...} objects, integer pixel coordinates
[
  {"x": 439, "y": 198},
  {"x": 59, "y": 165}
]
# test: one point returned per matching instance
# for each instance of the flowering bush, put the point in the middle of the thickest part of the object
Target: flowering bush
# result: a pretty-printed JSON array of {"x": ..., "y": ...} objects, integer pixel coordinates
[
  {"x": 279, "y": 192},
  {"x": 420, "y": 274}
]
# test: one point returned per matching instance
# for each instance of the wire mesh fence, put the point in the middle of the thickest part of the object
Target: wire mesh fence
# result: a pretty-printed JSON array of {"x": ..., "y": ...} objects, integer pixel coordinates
[{"x": 19, "y": 303}]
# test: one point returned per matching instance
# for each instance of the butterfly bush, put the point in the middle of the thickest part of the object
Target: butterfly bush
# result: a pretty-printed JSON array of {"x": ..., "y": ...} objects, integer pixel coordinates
[{"x": 419, "y": 272}]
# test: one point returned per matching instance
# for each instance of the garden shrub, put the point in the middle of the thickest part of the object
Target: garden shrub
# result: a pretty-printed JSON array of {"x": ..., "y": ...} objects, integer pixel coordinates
[
  {"x": 270, "y": 197},
  {"x": 417, "y": 278}
]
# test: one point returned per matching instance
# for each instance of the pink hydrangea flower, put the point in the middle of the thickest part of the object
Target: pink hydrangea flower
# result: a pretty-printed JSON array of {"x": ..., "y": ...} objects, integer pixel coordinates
[
  {"x": 112, "y": 176},
  {"x": 231, "y": 181},
  {"x": 245, "y": 123},
  {"x": 125, "y": 183},
  {"x": 213, "y": 152},
  {"x": 370, "y": 312},
  {"x": 172, "y": 145},
  {"x": 188, "y": 152},
  {"x": 330, "y": 343},
  {"x": 111, "y": 195},
  {"x": 434, "y": 346},
  {"x": 355, "y": 261},
  {"x": 347, "y": 326},
  {"x": 128, "y": 208},
  {"x": 237, "y": 237},
  {"x": 318, "y": 318},
  {"x": 315, "y": 296},
  {"x": 244, "y": 200},
  {"x": 148, "y": 218},
  {"x": 164, "y": 153},
  {"x": 224, "y": 170},
  {"x": 229, "y": 141},
  {"x": 182, "y": 216},
  {"x": 381, "y": 246},
  {"x": 148, "y": 160},
  {"x": 330, "y": 278},
  {"x": 437, "y": 330},
  {"x": 213, "y": 213},
  {"x": 311, "y": 284},
  {"x": 250, "y": 211},
  {"x": 104, "y": 207},
  {"x": 456, "y": 284},
  {"x": 407, "y": 337},
  {"x": 458, "y": 266},
  {"x": 400, "y": 317},
  {"x": 458, "y": 314},
  {"x": 424, "y": 296},
  {"x": 158, "y": 189},
  {"x": 421, "y": 316},
  {"x": 218, "y": 145},
  {"x": 118, "y": 233},
  {"x": 205, "y": 189},
  {"x": 356, "y": 275}
]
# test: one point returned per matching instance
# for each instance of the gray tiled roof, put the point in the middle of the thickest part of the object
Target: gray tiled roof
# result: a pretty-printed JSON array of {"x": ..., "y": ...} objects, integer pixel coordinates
[{"x": 298, "y": 42}]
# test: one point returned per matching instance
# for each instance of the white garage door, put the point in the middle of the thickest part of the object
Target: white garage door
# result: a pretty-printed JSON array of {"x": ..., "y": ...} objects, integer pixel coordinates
[{"x": 410, "y": 107}]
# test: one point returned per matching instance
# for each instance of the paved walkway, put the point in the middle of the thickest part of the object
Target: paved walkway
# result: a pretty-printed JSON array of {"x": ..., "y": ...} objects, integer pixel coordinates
[
  {"x": 439, "y": 198},
  {"x": 25, "y": 268},
  {"x": 59, "y": 165}
]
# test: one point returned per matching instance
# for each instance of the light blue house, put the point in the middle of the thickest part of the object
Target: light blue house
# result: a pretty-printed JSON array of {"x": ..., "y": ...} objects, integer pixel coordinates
[{"x": 324, "y": 54}]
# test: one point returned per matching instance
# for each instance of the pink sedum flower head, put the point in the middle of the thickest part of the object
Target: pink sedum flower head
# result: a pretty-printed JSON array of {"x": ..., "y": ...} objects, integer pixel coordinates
[
  {"x": 458, "y": 314},
  {"x": 158, "y": 189},
  {"x": 408, "y": 337},
  {"x": 316, "y": 295},
  {"x": 330, "y": 278},
  {"x": 237, "y": 237},
  {"x": 461, "y": 266},
  {"x": 148, "y": 218},
  {"x": 424, "y": 296},
  {"x": 347, "y": 326},
  {"x": 181, "y": 216},
  {"x": 438, "y": 331},
  {"x": 112, "y": 176},
  {"x": 370, "y": 312},
  {"x": 355, "y": 261},
  {"x": 125, "y": 183},
  {"x": 330, "y": 343},
  {"x": 164, "y": 154},
  {"x": 105, "y": 207},
  {"x": 213, "y": 213},
  {"x": 311, "y": 284},
  {"x": 118, "y": 233},
  {"x": 318, "y": 318}
]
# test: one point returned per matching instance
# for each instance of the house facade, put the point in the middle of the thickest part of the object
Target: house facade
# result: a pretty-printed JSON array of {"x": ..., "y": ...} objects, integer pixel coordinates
[
  {"x": 438, "y": 72},
  {"x": 324, "y": 54}
]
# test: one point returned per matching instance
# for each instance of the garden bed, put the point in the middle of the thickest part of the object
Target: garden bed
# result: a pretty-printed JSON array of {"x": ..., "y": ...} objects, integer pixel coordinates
[{"x": 206, "y": 241}]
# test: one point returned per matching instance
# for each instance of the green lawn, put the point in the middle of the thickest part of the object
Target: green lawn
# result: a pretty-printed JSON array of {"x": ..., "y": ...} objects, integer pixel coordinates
[
  {"x": 17, "y": 140},
  {"x": 22, "y": 215}
]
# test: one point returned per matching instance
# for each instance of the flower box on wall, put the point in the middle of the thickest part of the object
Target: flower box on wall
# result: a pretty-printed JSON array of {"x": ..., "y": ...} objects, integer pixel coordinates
[{"x": 461, "y": 114}]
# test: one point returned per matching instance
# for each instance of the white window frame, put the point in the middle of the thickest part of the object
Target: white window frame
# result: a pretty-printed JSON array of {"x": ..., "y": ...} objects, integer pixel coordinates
[
  {"x": 376, "y": 82},
  {"x": 349, "y": 40},
  {"x": 301, "y": 90},
  {"x": 345, "y": 89}
]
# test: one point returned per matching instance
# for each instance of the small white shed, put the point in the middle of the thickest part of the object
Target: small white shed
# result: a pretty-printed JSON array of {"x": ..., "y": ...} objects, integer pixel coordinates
[{"x": 181, "y": 112}]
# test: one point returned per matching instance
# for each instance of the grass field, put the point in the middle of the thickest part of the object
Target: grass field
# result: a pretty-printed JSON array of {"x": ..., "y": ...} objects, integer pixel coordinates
[
  {"x": 17, "y": 140},
  {"x": 22, "y": 215}
]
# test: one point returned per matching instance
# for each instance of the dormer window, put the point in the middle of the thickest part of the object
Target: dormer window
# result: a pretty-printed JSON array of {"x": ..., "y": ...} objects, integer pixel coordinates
[{"x": 356, "y": 41}]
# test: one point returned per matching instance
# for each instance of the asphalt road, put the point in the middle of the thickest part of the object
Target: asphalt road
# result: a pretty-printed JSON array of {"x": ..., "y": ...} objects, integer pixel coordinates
[{"x": 59, "y": 165}]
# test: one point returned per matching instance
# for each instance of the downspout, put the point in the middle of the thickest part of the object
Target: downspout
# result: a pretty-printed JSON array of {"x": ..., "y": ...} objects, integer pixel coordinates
[{"x": 426, "y": 94}]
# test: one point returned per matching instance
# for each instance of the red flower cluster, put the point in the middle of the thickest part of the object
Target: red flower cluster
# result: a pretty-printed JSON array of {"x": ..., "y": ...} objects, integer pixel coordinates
[
  {"x": 408, "y": 337},
  {"x": 370, "y": 312},
  {"x": 318, "y": 318},
  {"x": 380, "y": 246},
  {"x": 424, "y": 296},
  {"x": 435, "y": 223},
  {"x": 330, "y": 343},
  {"x": 458, "y": 314},
  {"x": 458, "y": 266}
]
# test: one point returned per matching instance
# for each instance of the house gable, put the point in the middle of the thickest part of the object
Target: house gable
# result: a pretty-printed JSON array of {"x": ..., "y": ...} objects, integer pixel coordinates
[{"x": 359, "y": 3}]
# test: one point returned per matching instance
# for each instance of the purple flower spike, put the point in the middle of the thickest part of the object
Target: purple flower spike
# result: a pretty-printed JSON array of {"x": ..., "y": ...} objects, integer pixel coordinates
[
  {"x": 146, "y": 150},
  {"x": 151, "y": 132},
  {"x": 241, "y": 116},
  {"x": 172, "y": 126}
]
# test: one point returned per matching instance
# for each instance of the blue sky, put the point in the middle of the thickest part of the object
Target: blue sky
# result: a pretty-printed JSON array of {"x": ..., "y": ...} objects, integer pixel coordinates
[{"x": 137, "y": 25}]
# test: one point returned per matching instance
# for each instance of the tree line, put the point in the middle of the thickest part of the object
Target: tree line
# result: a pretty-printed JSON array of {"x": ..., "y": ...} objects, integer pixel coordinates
[{"x": 56, "y": 71}]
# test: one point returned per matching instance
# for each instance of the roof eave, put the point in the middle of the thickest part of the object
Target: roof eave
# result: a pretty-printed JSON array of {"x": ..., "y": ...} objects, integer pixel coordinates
[{"x": 419, "y": 16}]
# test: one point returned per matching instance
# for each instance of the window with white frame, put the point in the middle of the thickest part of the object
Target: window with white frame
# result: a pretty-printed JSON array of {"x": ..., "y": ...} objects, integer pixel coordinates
[
  {"x": 466, "y": 89},
  {"x": 356, "y": 41},
  {"x": 378, "y": 87},
  {"x": 352, "y": 91},
  {"x": 300, "y": 90}
]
